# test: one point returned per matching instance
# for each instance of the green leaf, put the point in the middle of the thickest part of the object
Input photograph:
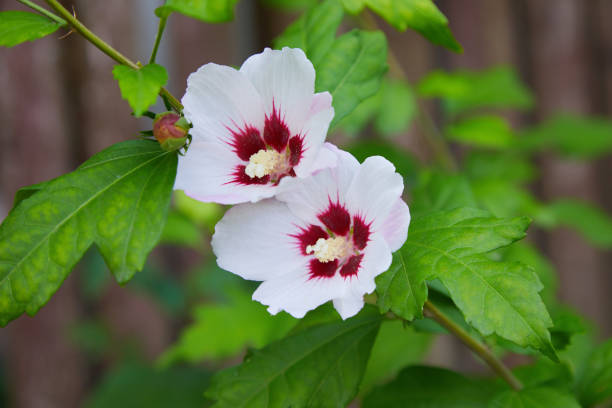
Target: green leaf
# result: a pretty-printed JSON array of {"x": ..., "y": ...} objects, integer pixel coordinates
[
  {"x": 314, "y": 32},
  {"x": 353, "y": 6},
  {"x": 421, "y": 15},
  {"x": 534, "y": 398},
  {"x": 431, "y": 387},
  {"x": 594, "y": 384},
  {"x": 319, "y": 366},
  {"x": 395, "y": 347},
  {"x": 245, "y": 324},
  {"x": 352, "y": 69},
  {"x": 494, "y": 297},
  {"x": 140, "y": 86},
  {"x": 26, "y": 192},
  {"x": 505, "y": 199},
  {"x": 400, "y": 290},
  {"x": 487, "y": 131},
  {"x": 118, "y": 199},
  {"x": 545, "y": 373},
  {"x": 461, "y": 91},
  {"x": 205, "y": 215},
  {"x": 573, "y": 136},
  {"x": 209, "y": 11},
  {"x": 397, "y": 108},
  {"x": 138, "y": 385},
  {"x": 20, "y": 26},
  {"x": 593, "y": 223}
]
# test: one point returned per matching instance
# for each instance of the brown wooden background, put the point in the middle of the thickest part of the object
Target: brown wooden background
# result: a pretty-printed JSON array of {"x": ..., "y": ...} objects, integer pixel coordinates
[{"x": 59, "y": 105}]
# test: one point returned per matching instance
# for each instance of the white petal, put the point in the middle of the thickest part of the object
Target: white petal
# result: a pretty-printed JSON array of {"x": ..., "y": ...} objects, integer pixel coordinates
[
  {"x": 218, "y": 97},
  {"x": 320, "y": 101},
  {"x": 348, "y": 306},
  {"x": 314, "y": 133},
  {"x": 309, "y": 197},
  {"x": 374, "y": 190},
  {"x": 205, "y": 173},
  {"x": 285, "y": 80},
  {"x": 395, "y": 227},
  {"x": 327, "y": 158},
  {"x": 297, "y": 293},
  {"x": 253, "y": 241}
]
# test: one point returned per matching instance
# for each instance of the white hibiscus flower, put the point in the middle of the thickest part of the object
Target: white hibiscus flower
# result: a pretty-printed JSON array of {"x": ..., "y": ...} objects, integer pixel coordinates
[
  {"x": 323, "y": 238},
  {"x": 253, "y": 127}
]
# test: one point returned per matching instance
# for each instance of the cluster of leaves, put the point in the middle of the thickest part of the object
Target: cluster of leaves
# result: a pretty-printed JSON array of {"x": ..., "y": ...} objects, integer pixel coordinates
[{"x": 463, "y": 252}]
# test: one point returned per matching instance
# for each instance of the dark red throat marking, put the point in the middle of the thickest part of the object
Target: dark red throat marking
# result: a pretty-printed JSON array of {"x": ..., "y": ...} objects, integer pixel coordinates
[{"x": 336, "y": 218}]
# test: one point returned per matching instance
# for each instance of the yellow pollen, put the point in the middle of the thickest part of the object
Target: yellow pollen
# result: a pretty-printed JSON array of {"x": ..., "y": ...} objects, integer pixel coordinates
[
  {"x": 326, "y": 250},
  {"x": 264, "y": 162}
]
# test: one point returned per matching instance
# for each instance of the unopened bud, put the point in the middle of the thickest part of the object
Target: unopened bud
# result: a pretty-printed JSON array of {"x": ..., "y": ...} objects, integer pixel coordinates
[{"x": 170, "y": 130}]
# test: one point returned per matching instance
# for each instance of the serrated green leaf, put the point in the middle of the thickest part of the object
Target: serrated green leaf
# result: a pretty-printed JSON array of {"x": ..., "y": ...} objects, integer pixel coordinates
[
  {"x": 314, "y": 32},
  {"x": 431, "y": 387},
  {"x": 245, "y": 324},
  {"x": 118, "y": 199},
  {"x": 461, "y": 91},
  {"x": 594, "y": 384},
  {"x": 320, "y": 366},
  {"x": 421, "y": 15},
  {"x": 401, "y": 290},
  {"x": 138, "y": 385},
  {"x": 534, "y": 398},
  {"x": 27, "y": 191},
  {"x": 20, "y": 26},
  {"x": 570, "y": 135},
  {"x": 209, "y": 11},
  {"x": 396, "y": 346},
  {"x": 494, "y": 297},
  {"x": 487, "y": 131},
  {"x": 352, "y": 69},
  {"x": 140, "y": 86},
  {"x": 592, "y": 222}
]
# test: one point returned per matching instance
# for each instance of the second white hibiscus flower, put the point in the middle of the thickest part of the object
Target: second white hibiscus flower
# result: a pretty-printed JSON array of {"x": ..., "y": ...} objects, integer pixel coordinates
[{"x": 324, "y": 238}]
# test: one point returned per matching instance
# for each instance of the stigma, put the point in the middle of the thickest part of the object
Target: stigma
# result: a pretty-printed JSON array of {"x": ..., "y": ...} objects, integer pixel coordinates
[{"x": 330, "y": 249}]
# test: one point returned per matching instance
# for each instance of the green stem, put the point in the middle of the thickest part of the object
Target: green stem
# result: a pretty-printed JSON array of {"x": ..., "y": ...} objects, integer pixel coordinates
[
  {"x": 106, "y": 48},
  {"x": 158, "y": 37},
  {"x": 477, "y": 347},
  {"x": 43, "y": 11}
]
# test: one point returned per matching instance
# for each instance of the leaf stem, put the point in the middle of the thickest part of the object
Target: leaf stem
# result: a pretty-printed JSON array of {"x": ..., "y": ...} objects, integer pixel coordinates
[
  {"x": 437, "y": 144},
  {"x": 43, "y": 11},
  {"x": 477, "y": 347},
  {"x": 106, "y": 48},
  {"x": 158, "y": 37}
]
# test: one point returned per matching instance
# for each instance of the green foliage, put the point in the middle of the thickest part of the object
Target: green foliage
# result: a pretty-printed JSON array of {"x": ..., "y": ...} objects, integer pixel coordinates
[
  {"x": 421, "y": 15},
  {"x": 534, "y": 398},
  {"x": 320, "y": 365},
  {"x": 205, "y": 215},
  {"x": 118, "y": 199},
  {"x": 505, "y": 166},
  {"x": 137, "y": 385},
  {"x": 466, "y": 90},
  {"x": 245, "y": 324},
  {"x": 209, "y": 11},
  {"x": 291, "y": 4},
  {"x": 594, "y": 384},
  {"x": 396, "y": 346},
  {"x": 180, "y": 230},
  {"x": 140, "y": 86},
  {"x": 430, "y": 387},
  {"x": 494, "y": 297},
  {"x": 392, "y": 110},
  {"x": 593, "y": 223},
  {"x": 482, "y": 131},
  {"x": 573, "y": 136},
  {"x": 27, "y": 191},
  {"x": 314, "y": 32},
  {"x": 350, "y": 67},
  {"x": 437, "y": 191},
  {"x": 21, "y": 26}
]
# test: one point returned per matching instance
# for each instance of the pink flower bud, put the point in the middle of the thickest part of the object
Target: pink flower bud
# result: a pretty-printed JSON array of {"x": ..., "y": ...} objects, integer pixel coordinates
[{"x": 170, "y": 130}]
